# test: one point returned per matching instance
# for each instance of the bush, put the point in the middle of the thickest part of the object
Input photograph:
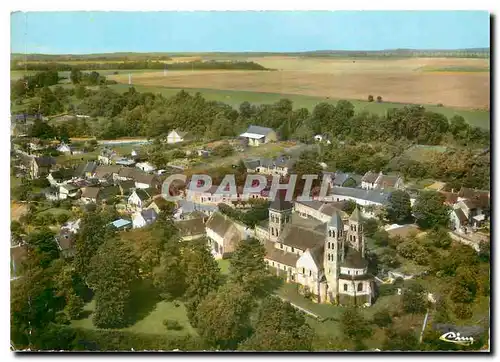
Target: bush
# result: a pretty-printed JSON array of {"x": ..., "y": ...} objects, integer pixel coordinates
[
  {"x": 379, "y": 99},
  {"x": 172, "y": 325},
  {"x": 74, "y": 306},
  {"x": 370, "y": 98},
  {"x": 382, "y": 318},
  {"x": 62, "y": 218},
  {"x": 462, "y": 311}
]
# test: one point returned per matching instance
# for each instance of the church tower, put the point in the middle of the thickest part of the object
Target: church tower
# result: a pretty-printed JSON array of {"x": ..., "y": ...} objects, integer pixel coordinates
[
  {"x": 280, "y": 213},
  {"x": 333, "y": 254},
  {"x": 355, "y": 233}
]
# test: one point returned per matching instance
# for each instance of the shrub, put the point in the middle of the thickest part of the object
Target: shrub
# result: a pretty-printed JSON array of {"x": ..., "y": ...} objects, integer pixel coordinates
[
  {"x": 379, "y": 99},
  {"x": 172, "y": 325},
  {"x": 382, "y": 318},
  {"x": 462, "y": 311},
  {"x": 370, "y": 98},
  {"x": 62, "y": 218}
]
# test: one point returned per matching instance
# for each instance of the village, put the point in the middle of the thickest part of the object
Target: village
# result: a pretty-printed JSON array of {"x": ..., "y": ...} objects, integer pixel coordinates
[{"x": 294, "y": 233}]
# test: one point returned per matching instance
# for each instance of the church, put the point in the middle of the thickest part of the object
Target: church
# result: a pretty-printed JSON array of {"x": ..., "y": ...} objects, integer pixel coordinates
[{"x": 319, "y": 247}]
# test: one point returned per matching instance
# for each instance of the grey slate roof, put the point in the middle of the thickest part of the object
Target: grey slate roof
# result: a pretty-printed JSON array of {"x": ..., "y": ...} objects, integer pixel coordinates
[
  {"x": 370, "y": 177},
  {"x": 149, "y": 215},
  {"x": 191, "y": 227},
  {"x": 279, "y": 255},
  {"x": 336, "y": 221},
  {"x": 83, "y": 168},
  {"x": 259, "y": 130},
  {"x": 301, "y": 238},
  {"x": 279, "y": 203},
  {"x": 375, "y": 196}
]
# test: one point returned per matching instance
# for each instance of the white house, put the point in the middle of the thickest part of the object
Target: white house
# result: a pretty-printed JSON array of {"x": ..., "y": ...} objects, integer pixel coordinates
[
  {"x": 223, "y": 235},
  {"x": 256, "y": 135},
  {"x": 145, "y": 166},
  {"x": 67, "y": 190},
  {"x": 176, "y": 136},
  {"x": 379, "y": 181},
  {"x": 143, "y": 218},
  {"x": 64, "y": 148},
  {"x": 138, "y": 199}
]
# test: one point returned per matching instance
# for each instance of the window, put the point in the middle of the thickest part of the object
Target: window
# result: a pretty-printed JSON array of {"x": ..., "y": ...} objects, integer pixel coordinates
[
  {"x": 281, "y": 246},
  {"x": 360, "y": 287},
  {"x": 345, "y": 287},
  {"x": 354, "y": 238},
  {"x": 272, "y": 231},
  {"x": 303, "y": 270},
  {"x": 328, "y": 257},
  {"x": 329, "y": 245},
  {"x": 310, "y": 273},
  {"x": 349, "y": 272},
  {"x": 293, "y": 250},
  {"x": 333, "y": 233},
  {"x": 273, "y": 263}
]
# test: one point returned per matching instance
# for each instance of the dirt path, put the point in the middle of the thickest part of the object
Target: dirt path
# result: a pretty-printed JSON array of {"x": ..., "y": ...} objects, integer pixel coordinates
[{"x": 17, "y": 210}]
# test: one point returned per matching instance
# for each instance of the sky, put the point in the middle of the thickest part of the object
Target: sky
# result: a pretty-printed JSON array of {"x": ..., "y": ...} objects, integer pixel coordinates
[{"x": 105, "y": 32}]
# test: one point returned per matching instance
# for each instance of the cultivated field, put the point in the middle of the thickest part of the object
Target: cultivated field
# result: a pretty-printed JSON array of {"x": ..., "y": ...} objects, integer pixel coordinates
[{"x": 395, "y": 80}]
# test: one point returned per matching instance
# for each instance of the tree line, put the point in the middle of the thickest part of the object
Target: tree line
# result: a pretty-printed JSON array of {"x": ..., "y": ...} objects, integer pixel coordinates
[{"x": 195, "y": 65}]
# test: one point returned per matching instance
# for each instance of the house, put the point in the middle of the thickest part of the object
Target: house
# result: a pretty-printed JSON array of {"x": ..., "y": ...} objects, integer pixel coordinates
[
  {"x": 470, "y": 209},
  {"x": 342, "y": 179},
  {"x": 68, "y": 191},
  {"x": 51, "y": 193},
  {"x": 190, "y": 229},
  {"x": 326, "y": 259},
  {"x": 379, "y": 181},
  {"x": 85, "y": 170},
  {"x": 106, "y": 156},
  {"x": 64, "y": 148},
  {"x": 142, "y": 180},
  {"x": 66, "y": 238},
  {"x": 256, "y": 135},
  {"x": 61, "y": 176},
  {"x": 18, "y": 256},
  {"x": 362, "y": 197},
  {"x": 185, "y": 207},
  {"x": 277, "y": 166},
  {"x": 137, "y": 200},
  {"x": 223, "y": 235},
  {"x": 176, "y": 136},
  {"x": 108, "y": 193},
  {"x": 143, "y": 218},
  {"x": 90, "y": 194},
  {"x": 124, "y": 162},
  {"x": 145, "y": 166},
  {"x": 41, "y": 166},
  {"x": 106, "y": 172},
  {"x": 126, "y": 187},
  {"x": 319, "y": 210},
  {"x": 122, "y": 224}
]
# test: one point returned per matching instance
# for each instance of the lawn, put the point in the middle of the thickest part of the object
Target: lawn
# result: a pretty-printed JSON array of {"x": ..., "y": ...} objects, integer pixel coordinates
[
  {"x": 152, "y": 323},
  {"x": 224, "y": 266},
  {"x": 480, "y": 118}
]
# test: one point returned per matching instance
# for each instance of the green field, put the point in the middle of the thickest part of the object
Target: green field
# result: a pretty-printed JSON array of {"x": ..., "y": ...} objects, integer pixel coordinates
[{"x": 479, "y": 118}]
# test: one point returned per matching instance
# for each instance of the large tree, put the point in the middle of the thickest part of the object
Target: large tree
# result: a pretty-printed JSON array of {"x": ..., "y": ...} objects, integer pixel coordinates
[
  {"x": 279, "y": 327},
  {"x": 113, "y": 273},
  {"x": 202, "y": 275},
  {"x": 44, "y": 246},
  {"x": 355, "y": 326},
  {"x": 223, "y": 317},
  {"x": 429, "y": 210},
  {"x": 94, "y": 230},
  {"x": 399, "y": 207},
  {"x": 414, "y": 299},
  {"x": 247, "y": 266},
  {"x": 169, "y": 276}
]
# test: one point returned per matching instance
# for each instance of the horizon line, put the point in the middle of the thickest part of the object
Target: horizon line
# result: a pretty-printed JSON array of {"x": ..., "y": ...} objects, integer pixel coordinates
[{"x": 270, "y": 52}]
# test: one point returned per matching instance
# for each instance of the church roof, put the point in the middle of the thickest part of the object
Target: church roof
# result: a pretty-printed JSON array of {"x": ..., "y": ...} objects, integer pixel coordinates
[
  {"x": 301, "y": 238},
  {"x": 354, "y": 259},
  {"x": 336, "y": 221},
  {"x": 356, "y": 215},
  {"x": 279, "y": 202},
  {"x": 281, "y": 256}
]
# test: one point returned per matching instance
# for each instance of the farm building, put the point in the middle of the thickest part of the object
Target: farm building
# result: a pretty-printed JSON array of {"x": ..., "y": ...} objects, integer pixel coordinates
[{"x": 256, "y": 135}]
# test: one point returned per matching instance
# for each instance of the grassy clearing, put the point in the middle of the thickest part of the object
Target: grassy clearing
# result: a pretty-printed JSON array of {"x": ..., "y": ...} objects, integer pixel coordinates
[
  {"x": 224, "y": 266},
  {"x": 479, "y": 118},
  {"x": 151, "y": 323}
]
